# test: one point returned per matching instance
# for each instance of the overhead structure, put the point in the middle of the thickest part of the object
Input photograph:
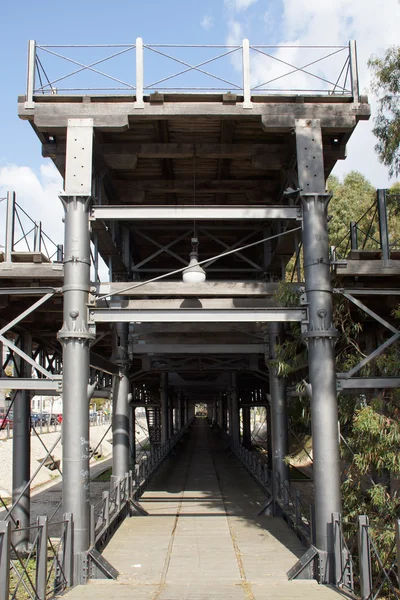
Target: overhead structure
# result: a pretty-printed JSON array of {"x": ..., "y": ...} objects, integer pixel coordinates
[{"x": 196, "y": 200}]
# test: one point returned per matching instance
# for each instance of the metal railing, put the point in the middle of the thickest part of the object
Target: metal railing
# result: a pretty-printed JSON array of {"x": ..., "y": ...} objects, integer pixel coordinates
[
  {"x": 139, "y": 69},
  {"x": 41, "y": 571},
  {"x": 24, "y": 234},
  {"x": 376, "y": 230}
]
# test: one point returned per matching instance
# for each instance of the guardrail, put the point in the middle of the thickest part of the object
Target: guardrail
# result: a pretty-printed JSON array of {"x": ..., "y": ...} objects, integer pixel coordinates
[
  {"x": 24, "y": 234},
  {"x": 41, "y": 571},
  {"x": 142, "y": 68}
]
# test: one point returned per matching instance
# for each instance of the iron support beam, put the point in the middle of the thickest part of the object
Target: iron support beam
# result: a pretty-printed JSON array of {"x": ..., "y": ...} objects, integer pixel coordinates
[
  {"x": 155, "y": 348},
  {"x": 75, "y": 337},
  {"x": 190, "y": 212},
  {"x": 120, "y": 423},
  {"x": 38, "y": 386},
  {"x": 320, "y": 338},
  {"x": 193, "y": 315},
  {"x": 164, "y": 407},
  {"x": 21, "y": 471},
  {"x": 279, "y": 417}
]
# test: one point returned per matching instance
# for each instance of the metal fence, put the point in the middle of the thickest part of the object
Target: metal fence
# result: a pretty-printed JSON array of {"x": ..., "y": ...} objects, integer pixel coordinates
[{"x": 141, "y": 68}]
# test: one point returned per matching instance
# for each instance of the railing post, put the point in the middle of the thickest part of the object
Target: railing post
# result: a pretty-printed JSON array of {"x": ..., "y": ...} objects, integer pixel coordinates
[
  {"x": 67, "y": 561},
  {"x": 397, "y": 527},
  {"x": 337, "y": 546},
  {"x": 297, "y": 509},
  {"x": 353, "y": 235},
  {"x": 30, "y": 84},
  {"x": 106, "y": 500},
  {"x": 9, "y": 243},
  {"x": 5, "y": 542},
  {"x": 246, "y": 74},
  {"x": 118, "y": 498},
  {"x": 41, "y": 559},
  {"x": 139, "y": 74},
  {"x": 60, "y": 252},
  {"x": 37, "y": 244},
  {"x": 286, "y": 493},
  {"x": 92, "y": 536},
  {"x": 354, "y": 71},
  {"x": 383, "y": 224},
  {"x": 364, "y": 555}
]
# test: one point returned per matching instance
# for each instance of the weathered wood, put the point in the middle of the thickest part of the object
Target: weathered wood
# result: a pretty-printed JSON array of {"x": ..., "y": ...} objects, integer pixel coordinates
[{"x": 368, "y": 268}]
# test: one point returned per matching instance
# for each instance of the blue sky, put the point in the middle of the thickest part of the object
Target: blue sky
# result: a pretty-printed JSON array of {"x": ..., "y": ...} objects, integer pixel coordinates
[{"x": 176, "y": 21}]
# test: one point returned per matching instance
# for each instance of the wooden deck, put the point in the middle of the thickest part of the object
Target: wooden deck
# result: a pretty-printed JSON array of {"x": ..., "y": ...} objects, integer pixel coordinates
[{"x": 202, "y": 538}]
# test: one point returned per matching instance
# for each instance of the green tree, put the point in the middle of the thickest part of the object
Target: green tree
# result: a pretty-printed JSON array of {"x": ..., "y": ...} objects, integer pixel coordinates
[{"x": 386, "y": 85}]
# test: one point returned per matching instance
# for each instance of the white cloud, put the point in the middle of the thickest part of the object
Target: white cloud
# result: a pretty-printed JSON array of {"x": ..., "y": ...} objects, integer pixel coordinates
[
  {"x": 239, "y": 5},
  {"x": 207, "y": 22}
]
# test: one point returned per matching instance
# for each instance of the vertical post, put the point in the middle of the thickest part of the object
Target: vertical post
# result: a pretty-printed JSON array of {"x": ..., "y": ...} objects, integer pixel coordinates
[
  {"x": 397, "y": 526},
  {"x": 9, "y": 243},
  {"x": 139, "y": 74},
  {"x": 181, "y": 409},
  {"x": 41, "y": 559},
  {"x": 353, "y": 235},
  {"x": 30, "y": 83},
  {"x": 22, "y": 455},
  {"x": 75, "y": 335},
  {"x": 337, "y": 543},
  {"x": 96, "y": 256},
  {"x": 234, "y": 424},
  {"x": 364, "y": 554},
  {"x": 37, "y": 243},
  {"x": 246, "y": 426},
  {"x": 164, "y": 407},
  {"x": 269, "y": 435},
  {"x": 354, "y": 71},
  {"x": 60, "y": 253},
  {"x": 5, "y": 544},
  {"x": 120, "y": 424},
  {"x": 279, "y": 418},
  {"x": 132, "y": 435},
  {"x": 320, "y": 338},
  {"x": 383, "y": 224},
  {"x": 246, "y": 74},
  {"x": 171, "y": 404}
]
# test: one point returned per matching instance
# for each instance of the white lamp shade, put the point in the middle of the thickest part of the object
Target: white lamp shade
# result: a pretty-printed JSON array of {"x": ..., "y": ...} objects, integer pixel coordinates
[{"x": 193, "y": 273}]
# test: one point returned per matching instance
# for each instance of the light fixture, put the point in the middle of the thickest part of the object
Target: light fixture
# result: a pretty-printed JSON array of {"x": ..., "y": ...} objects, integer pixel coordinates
[{"x": 194, "y": 273}]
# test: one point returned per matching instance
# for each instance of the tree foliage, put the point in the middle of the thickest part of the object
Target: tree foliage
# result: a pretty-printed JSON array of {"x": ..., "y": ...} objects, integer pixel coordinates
[{"x": 386, "y": 84}]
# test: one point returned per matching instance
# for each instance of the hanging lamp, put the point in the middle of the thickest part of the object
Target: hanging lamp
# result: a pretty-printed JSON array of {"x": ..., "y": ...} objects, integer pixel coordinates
[{"x": 194, "y": 273}]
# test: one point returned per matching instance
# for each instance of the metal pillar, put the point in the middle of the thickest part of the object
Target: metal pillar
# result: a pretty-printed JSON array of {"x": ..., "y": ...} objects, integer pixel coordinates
[
  {"x": 320, "y": 338},
  {"x": 234, "y": 423},
  {"x": 75, "y": 337},
  {"x": 171, "y": 404},
  {"x": 22, "y": 456},
  {"x": 10, "y": 221},
  {"x": 132, "y": 436},
  {"x": 246, "y": 440},
  {"x": 383, "y": 224},
  {"x": 164, "y": 407},
  {"x": 279, "y": 418},
  {"x": 224, "y": 411},
  {"x": 269, "y": 435},
  {"x": 181, "y": 410},
  {"x": 120, "y": 423}
]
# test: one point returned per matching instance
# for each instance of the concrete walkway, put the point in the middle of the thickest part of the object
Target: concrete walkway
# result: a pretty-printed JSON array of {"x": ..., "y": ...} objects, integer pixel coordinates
[{"x": 202, "y": 538}]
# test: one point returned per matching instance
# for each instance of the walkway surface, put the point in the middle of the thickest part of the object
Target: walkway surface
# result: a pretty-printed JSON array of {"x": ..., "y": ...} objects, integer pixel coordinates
[{"x": 203, "y": 538}]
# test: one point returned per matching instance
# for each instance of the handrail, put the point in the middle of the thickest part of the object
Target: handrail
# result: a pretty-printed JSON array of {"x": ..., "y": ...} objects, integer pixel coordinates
[{"x": 244, "y": 69}]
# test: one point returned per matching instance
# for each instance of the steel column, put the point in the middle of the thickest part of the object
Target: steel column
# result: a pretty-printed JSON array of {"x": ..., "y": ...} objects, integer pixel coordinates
[
  {"x": 234, "y": 423},
  {"x": 164, "y": 407},
  {"x": 75, "y": 336},
  {"x": 320, "y": 339},
  {"x": 279, "y": 418},
  {"x": 170, "y": 413},
  {"x": 132, "y": 435},
  {"x": 22, "y": 456},
  {"x": 246, "y": 440},
  {"x": 120, "y": 424},
  {"x": 181, "y": 410},
  {"x": 383, "y": 224}
]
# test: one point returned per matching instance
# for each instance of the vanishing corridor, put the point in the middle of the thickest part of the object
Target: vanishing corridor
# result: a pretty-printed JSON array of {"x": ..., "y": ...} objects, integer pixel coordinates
[{"x": 203, "y": 538}]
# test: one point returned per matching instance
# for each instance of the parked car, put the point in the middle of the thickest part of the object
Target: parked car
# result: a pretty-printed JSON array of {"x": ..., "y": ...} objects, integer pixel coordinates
[
  {"x": 37, "y": 419},
  {"x": 6, "y": 421}
]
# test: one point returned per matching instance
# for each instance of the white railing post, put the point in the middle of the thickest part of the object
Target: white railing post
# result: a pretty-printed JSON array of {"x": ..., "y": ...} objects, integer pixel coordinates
[
  {"x": 30, "y": 84},
  {"x": 354, "y": 71},
  {"x": 10, "y": 220},
  {"x": 139, "y": 73},
  {"x": 246, "y": 74}
]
